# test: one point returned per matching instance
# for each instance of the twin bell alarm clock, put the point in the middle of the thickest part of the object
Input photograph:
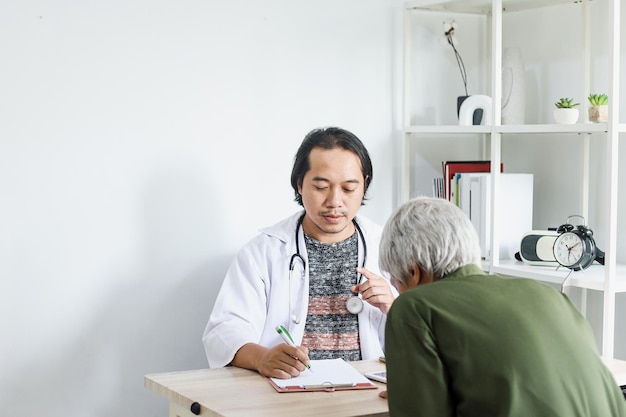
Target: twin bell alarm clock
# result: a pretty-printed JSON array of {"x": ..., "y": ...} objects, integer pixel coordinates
[{"x": 568, "y": 245}]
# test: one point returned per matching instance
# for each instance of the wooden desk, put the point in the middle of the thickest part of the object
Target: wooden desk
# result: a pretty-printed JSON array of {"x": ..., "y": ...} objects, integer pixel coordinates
[{"x": 232, "y": 392}]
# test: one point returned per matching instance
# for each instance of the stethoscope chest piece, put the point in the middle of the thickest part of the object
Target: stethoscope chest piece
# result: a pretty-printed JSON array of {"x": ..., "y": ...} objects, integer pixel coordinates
[{"x": 354, "y": 304}]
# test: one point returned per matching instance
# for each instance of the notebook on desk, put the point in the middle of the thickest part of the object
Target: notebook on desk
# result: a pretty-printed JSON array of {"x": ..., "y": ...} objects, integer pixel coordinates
[{"x": 325, "y": 375}]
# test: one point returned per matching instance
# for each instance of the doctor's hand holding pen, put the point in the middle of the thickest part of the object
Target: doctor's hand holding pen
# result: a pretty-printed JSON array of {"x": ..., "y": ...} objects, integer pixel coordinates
[
  {"x": 375, "y": 290},
  {"x": 281, "y": 361},
  {"x": 284, "y": 361}
]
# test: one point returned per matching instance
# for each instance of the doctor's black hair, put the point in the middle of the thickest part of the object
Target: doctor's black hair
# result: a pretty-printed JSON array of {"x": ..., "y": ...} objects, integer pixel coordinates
[{"x": 329, "y": 138}]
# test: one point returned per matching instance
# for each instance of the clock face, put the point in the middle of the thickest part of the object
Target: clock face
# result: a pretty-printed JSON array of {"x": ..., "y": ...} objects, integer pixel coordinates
[
  {"x": 574, "y": 250},
  {"x": 568, "y": 249}
]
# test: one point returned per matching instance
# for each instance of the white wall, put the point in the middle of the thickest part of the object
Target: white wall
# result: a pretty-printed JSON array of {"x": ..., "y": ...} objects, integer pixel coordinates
[{"x": 141, "y": 144}]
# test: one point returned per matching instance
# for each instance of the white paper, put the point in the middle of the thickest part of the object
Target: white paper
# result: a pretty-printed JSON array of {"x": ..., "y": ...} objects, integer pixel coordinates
[{"x": 330, "y": 372}]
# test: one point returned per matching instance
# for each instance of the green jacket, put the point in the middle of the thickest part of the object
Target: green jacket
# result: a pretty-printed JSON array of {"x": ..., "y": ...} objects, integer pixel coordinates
[{"x": 473, "y": 344}]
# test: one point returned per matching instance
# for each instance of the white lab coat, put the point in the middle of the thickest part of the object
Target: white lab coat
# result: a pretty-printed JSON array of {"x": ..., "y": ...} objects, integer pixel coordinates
[{"x": 254, "y": 297}]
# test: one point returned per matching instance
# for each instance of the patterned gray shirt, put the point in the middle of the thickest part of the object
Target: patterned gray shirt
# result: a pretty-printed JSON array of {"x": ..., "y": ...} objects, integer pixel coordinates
[{"x": 331, "y": 331}]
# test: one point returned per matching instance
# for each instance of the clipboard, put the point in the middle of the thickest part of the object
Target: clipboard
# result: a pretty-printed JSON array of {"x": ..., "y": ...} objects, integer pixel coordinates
[{"x": 325, "y": 375}]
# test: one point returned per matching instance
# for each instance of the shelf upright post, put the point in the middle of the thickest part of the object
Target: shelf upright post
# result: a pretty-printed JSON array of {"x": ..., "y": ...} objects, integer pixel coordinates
[
  {"x": 403, "y": 188},
  {"x": 586, "y": 136},
  {"x": 486, "y": 138},
  {"x": 586, "y": 82},
  {"x": 608, "y": 321},
  {"x": 496, "y": 145}
]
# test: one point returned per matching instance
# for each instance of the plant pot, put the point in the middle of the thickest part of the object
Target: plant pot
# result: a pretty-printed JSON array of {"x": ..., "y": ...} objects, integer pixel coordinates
[
  {"x": 566, "y": 116},
  {"x": 599, "y": 114},
  {"x": 477, "y": 117}
]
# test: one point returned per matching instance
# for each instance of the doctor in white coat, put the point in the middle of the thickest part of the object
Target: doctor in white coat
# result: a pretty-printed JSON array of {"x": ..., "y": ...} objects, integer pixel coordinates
[{"x": 268, "y": 283}]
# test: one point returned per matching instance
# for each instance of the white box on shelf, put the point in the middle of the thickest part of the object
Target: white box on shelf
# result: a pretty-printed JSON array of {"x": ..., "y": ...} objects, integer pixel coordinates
[{"x": 515, "y": 208}]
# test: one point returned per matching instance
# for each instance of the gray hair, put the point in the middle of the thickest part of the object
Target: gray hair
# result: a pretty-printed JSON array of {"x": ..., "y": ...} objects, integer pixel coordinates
[{"x": 429, "y": 233}]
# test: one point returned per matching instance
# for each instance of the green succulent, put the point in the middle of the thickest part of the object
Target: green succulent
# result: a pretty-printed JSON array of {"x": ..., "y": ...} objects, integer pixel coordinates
[
  {"x": 566, "y": 103},
  {"x": 598, "y": 99}
]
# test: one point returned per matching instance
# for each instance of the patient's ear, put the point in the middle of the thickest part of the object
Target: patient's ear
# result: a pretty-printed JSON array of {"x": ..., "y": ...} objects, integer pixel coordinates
[
  {"x": 419, "y": 277},
  {"x": 414, "y": 278}
]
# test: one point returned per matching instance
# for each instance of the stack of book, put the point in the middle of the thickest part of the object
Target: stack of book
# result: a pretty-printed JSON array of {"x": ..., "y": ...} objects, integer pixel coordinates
[
  {"x": 468, "y": 185},
  {"x": 452, "y": 171}
]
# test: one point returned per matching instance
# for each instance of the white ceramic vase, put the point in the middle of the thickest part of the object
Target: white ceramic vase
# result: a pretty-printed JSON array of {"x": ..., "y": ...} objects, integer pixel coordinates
[
  {"x": 566, "y": 116},
  {"x": 472, "y": 103},
  {"x": 513, "y": 87}
]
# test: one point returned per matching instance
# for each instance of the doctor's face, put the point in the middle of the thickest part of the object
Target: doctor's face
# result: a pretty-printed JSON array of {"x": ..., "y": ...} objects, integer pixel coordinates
[{"x": 332, "y": 192}]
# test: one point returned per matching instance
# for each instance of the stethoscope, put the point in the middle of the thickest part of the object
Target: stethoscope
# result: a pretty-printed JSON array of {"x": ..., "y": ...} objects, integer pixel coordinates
[{"x": 354, "y": 303}]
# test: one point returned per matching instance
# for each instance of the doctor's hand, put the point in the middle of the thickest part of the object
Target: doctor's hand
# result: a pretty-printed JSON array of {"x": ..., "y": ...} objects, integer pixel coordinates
[
  {"x": 283, "y": 361},
  {"x": 375, "y": 290}
]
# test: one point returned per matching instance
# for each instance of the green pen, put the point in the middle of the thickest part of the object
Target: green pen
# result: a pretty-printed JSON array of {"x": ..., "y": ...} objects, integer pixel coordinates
[{"x": 288, "y": 339}]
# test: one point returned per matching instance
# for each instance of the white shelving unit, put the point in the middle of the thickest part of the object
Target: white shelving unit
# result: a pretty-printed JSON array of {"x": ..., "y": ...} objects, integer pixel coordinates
[{"x": 608, "y": 279}]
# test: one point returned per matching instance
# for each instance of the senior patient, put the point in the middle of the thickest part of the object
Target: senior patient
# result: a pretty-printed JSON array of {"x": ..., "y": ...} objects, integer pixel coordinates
[{"x": 460, "y": 342}]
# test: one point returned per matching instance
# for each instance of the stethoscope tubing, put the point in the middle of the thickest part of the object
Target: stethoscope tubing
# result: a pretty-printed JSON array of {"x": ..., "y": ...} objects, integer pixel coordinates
[{"x": 297, "y": 255}]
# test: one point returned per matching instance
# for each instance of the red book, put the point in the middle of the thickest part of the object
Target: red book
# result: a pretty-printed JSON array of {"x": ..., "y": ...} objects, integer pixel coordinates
[{"x": 451, "y": 168}]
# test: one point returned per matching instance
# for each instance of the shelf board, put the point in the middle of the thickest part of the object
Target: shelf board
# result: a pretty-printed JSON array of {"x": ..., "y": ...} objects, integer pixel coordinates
[
  {"x": 447, "y": 129},
  {"x": 481, "y": 6},
  {"x": 591, "y": 278},
  {"x": 513, "y": 129},
  {"x": 553, "y": 128}
]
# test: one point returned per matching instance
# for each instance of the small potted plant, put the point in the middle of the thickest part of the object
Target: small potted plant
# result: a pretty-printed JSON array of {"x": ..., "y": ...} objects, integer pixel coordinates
[
  {"x": 599, "y": 110},
  {"x": 565, "y": 111}
]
